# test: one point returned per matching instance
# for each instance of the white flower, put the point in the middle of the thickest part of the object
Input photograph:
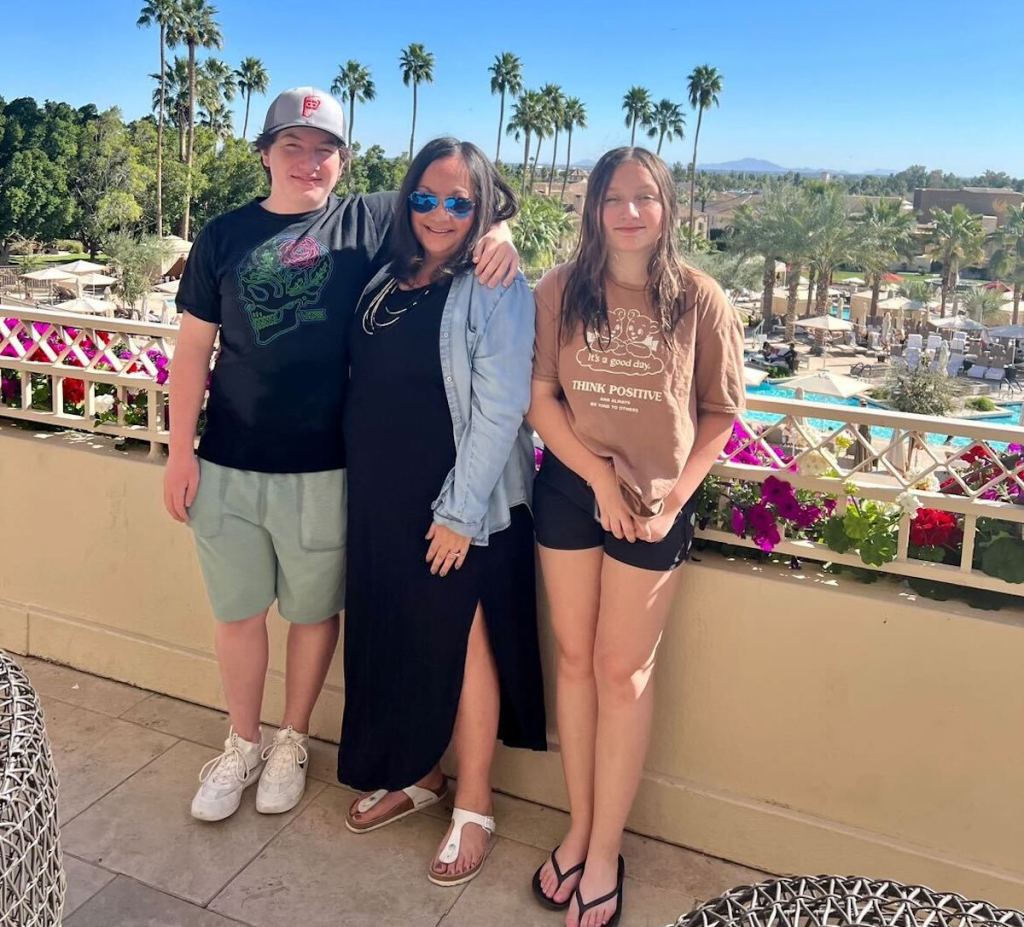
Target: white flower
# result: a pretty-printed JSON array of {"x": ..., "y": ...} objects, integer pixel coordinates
[
  {"x": 814, "y": 463},
  {"x": 909, "y": 503},
  {"x": 103, "y": 404}
]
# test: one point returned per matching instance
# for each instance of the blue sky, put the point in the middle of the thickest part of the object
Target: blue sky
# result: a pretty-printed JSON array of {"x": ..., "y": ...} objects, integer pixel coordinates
[{"x": 864, "y": 85}]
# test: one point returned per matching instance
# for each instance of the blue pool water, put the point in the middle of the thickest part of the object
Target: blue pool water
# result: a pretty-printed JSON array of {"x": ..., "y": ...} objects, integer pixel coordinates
[{"x": 770, "y": 391}]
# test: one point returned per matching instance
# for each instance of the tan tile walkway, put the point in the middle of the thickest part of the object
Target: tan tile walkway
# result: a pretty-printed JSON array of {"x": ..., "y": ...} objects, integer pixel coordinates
[{"x": 128, "y": 760}]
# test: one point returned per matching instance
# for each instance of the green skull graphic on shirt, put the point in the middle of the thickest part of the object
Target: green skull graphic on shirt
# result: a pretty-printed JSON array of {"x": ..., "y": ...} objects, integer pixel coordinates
[{"x": 280, "y": 283}]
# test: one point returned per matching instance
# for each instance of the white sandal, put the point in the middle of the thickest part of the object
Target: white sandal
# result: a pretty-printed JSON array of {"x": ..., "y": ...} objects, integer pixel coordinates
[
  {"x": 416, "y": 799},
  {"x": 460, "y": 818}
]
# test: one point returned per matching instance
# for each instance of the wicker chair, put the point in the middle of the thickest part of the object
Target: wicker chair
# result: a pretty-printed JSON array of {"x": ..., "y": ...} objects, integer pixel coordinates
[
  {"x": 32, "y": 880},
  {"x": 844, "y": 901}
]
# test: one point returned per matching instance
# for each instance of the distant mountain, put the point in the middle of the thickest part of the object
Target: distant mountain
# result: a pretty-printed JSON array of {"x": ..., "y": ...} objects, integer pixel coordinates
[
  {"x": 760, "y": 166},
  {"x": 585, "y": 165}
]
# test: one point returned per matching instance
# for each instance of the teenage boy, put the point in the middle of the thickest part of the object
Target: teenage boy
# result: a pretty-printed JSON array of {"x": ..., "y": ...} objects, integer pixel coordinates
[{"x": 278, "y": 280}]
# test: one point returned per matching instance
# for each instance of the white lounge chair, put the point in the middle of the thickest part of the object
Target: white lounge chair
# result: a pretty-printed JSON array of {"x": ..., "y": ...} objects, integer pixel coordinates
[
  {"x": 914, "y": 341},
  {"x": 955, "y": 365},
  {"x": 977, "y": 372},
  {"x": 933, "y": 342},
  {"x": 995, "y": 374},
  {"x": 913, "y": 357}
]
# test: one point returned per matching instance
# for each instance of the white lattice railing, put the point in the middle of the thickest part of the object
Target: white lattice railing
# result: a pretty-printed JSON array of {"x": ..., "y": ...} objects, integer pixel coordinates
[
  {"x": 118, "y": 370},
  {"x": 976, "y": 464},
  {"x": 82, "y": 372}
]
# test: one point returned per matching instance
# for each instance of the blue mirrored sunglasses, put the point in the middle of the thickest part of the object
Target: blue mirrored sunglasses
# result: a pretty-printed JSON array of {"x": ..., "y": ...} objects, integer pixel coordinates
[{"x": 458, "y": 206}]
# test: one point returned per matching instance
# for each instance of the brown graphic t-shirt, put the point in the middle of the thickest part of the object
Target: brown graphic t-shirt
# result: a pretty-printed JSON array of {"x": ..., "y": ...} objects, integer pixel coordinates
[{"x": 632, "y": 396}]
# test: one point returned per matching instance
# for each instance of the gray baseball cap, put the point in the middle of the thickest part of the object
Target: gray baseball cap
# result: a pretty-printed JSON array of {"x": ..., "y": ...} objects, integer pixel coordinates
[{"x": 306, "y": 106}]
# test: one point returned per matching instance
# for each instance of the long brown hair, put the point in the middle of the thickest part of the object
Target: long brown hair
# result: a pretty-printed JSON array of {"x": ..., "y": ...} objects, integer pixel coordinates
[{"x": 583, "y": 301}]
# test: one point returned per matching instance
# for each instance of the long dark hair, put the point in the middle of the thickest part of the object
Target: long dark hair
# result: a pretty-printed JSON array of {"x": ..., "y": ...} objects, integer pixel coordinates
[
  {"x": 494, "y": 199},
  {"x": 583, "y": 301}
]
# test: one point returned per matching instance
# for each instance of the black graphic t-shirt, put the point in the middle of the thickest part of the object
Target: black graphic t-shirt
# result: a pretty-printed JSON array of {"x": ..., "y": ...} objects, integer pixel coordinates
[{"x": 283, "y": 289}]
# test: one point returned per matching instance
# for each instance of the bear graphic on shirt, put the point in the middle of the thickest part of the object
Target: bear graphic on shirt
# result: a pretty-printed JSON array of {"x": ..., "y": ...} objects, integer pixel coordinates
[{"x": 631, "y": 346}]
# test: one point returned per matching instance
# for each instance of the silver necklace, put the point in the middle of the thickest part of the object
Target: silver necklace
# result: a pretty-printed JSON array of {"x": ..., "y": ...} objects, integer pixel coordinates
[{"x": 372, "y": 319}]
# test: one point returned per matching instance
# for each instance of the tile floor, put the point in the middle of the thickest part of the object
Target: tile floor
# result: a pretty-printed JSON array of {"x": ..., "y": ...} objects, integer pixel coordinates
[{"x": 128, "y": 761}]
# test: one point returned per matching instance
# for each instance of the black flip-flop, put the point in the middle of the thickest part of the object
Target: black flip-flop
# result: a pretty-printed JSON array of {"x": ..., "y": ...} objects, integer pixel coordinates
[
  {"x": 616, "y": 893},
  {"x": 538, "y": 892}
]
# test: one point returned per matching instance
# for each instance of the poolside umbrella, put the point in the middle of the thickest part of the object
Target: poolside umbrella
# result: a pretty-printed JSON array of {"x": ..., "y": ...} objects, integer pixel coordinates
[
  {"x": 852, "y": 281},
  {"x": 826, "y": 323},
  {"x": 891, "y": 278},
  {"x": 958, "y": 323},
  {"x": 171, "y": 286},
  {"x": 886, "y": 327},
  {"x": 82, "y": 267},
  {"x": 998, "y": 285},
  {"x": 93, "y": 279},
  {"x": 88, "y": 304},
  {"x": 827, "y": 383},
  {"x": 1007, "y": 331},
  {"x": 49, "y": 275},
  {"x": 753, "y": 377},
  {"x": 942, "y": 358}
]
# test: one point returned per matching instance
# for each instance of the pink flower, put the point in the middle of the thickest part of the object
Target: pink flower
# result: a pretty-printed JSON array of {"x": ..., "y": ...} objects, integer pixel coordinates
[
  {"x": 807, "y": 516},
  {"x": 738, "y": 522},
  {"x": 768, "y": 539}
]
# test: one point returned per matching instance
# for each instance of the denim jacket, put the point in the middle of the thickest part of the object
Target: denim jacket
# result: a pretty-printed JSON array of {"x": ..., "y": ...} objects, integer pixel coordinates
[{"x": 486, "y": 346}]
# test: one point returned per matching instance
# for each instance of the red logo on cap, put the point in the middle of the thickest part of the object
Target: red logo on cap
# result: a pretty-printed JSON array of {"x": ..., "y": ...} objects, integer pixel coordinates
[{"x": 309, "y": 105}]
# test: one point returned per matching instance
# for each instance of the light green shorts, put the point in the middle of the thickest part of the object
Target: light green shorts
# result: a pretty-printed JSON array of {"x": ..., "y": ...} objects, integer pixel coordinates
[{"x": 266, "y": 536}]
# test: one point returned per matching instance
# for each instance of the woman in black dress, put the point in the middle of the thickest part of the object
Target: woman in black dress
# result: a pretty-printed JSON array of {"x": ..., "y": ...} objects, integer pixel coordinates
[{"x": 440, "y": 620}]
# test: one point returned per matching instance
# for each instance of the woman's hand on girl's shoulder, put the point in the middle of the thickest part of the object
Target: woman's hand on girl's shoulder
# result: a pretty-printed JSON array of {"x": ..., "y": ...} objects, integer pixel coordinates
[{"x": 496, "y": 258}]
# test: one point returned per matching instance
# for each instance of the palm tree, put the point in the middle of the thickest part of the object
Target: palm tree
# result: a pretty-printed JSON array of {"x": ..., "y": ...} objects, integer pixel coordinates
[
  {"x": 666, "y": 122},
  {"x": 353, "y": 82},
  {"x": 832, "y": 238},
  {"x": 704, "y": 85},
  {"x": 887, "y": 233},
  {"x": 417, "y": 66},
  {"x": 527, "y": 119},
  {"x": 575, "y": 114},
  {"x": 252, "y": 78},
  {"x": 216, "y": 83},
  {"x": 1007, "y": 261},
  {"x": 956, "y": 240},
  {"x": 176, "y": 87},
  {"x": 506, "y": 77},
  {"x": 556, "y": 119},
  {"x": 161, "y": 12},
  {"x": 638, "y": 107},
  {"x": 194, "y": 28}
]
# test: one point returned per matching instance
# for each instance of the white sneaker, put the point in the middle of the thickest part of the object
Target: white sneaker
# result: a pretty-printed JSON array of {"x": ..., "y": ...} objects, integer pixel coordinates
[
  {"x": 284, "y": 776},
  {"x": 225, "y": 777}
]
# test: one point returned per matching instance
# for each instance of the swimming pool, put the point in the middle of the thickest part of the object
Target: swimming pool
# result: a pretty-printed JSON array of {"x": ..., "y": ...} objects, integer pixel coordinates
[{"x": 771, "y": 391}]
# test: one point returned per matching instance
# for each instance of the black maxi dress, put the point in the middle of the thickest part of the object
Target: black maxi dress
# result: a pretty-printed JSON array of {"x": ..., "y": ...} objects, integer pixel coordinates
[{"x": 406, "y": 631}]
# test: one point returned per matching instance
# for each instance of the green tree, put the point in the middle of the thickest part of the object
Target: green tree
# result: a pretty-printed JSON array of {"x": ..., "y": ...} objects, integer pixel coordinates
[
  {"x": 886, "y": 234},
  {"x": 666, "y": 122},
  {"x": 540, "y": 231},
  {"x": 34, "y": 201},
  {"x": 106, "y": 181},
  {"x": 417, "y": 66},
  {"x": 638, "y": 107},
  {"x": 195, "y": 28},
  {"x": 704, "y": 86},
  {"x": 233, "y": 177},
  {"x": 575, "y": 117},
  {"x": 374, "y": 172},
  {"x": 252, "y": 78},
  {"x": 353, "y": 82},
  {"x": 983, "y": 305},
  {"x": 920, "y": 392},
  {"x": 137, "y": 264},
  {"x": 161, "y": 13},
  {"x": 956, "y": 241},
  {"x": 1007, "y": 260},
  {"x": 506, "y": 78},
  {"x": 833, "y": 238}
]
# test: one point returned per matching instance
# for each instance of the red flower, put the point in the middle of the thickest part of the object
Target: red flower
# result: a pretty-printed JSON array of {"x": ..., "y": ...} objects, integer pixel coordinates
[
  {"x": 74, "y": 391},
  {"x": 976, "y": 452},
  {"x": 934, "y": 528}
]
